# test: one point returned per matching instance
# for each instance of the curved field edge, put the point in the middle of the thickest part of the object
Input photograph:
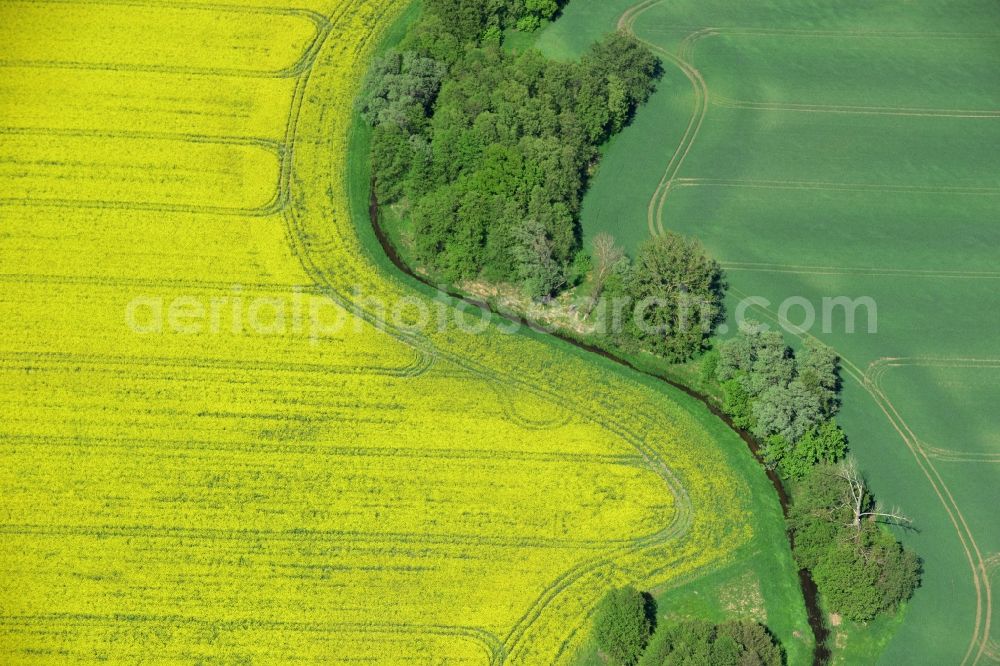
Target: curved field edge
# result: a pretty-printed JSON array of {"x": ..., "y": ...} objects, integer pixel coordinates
[
  {"x": 759, "y": 579},
  {"x": 229, "y": 535}
]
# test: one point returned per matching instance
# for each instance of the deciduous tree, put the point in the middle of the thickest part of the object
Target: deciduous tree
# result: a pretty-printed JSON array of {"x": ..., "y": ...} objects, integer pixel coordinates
[
  {"x": 622, "y": 625},
  {"x": 677, "y": 291},
  {"x": 606, "y": 256}
]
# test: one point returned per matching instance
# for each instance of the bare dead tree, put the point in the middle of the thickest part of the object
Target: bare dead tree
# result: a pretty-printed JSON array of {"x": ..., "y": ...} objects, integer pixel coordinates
[
  {"x": 606, "y": 256},
  {"x": 859, "y": 500}
]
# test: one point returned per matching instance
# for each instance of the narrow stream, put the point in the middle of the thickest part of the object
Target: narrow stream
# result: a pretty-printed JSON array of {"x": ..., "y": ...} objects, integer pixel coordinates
[{"x": 821, "y": 653}]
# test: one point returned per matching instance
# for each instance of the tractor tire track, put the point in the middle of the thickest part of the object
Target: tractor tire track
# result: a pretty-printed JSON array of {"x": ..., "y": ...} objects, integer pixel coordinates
[
  {"x": 725, "y": 102},
  {"x": 309, "y": 252},
  {"x": 654, "y": 212}
]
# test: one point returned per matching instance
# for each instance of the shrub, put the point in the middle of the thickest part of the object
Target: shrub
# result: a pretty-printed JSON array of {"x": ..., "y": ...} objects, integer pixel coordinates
[{"x": 702, "y": 643}]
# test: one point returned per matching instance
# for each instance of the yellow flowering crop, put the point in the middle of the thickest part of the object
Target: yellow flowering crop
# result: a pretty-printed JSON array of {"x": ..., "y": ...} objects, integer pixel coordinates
[{"x": 179, "y": 485}]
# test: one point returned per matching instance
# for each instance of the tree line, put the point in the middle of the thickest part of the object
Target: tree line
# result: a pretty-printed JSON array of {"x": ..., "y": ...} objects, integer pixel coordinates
[
  {"x": 788, "y": 401},
  {"x": 486, "y": 19},
  {"x": 626, "y": 631}
]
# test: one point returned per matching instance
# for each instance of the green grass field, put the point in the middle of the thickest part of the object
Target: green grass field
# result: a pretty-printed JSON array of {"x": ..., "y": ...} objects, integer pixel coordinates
[{"x": 847, "y": 148}]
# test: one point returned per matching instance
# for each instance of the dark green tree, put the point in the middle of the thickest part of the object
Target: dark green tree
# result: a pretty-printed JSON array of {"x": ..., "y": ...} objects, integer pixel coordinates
[
  {"x": 538, "y": 270},
  {"x": 825, "y": 444},
  {"x": 620, "y": 73},
  {"x": 490, "y": 151},
  {"x": 433, "y": 38},
  {"x": 622, "y": 625},
  {"x": 465, "y": 19},
  {"x": 400, "y": 88},
  {"x": 496, "y": 162},
  {"x": 818, "y": 368},
  {"x": 702, "y": 643},
  {"x": 863, "y": 581},
  {"x": 789, "y": 411},
  {"x": 759, "y": 358},
  {"x": 758, "y": 646},
  {"x": 392, "y": 161},
  {"x": 738, "y": 403},
  {"x": 677, "y": 291}
]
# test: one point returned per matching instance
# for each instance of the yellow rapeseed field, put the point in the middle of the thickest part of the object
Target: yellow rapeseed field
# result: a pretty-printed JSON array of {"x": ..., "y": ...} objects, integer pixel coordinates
[{"x": 209, "y": 451}]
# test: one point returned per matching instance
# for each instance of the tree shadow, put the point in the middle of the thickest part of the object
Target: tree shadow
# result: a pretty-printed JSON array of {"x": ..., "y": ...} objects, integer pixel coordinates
[{"x": 649, "y": 609}]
